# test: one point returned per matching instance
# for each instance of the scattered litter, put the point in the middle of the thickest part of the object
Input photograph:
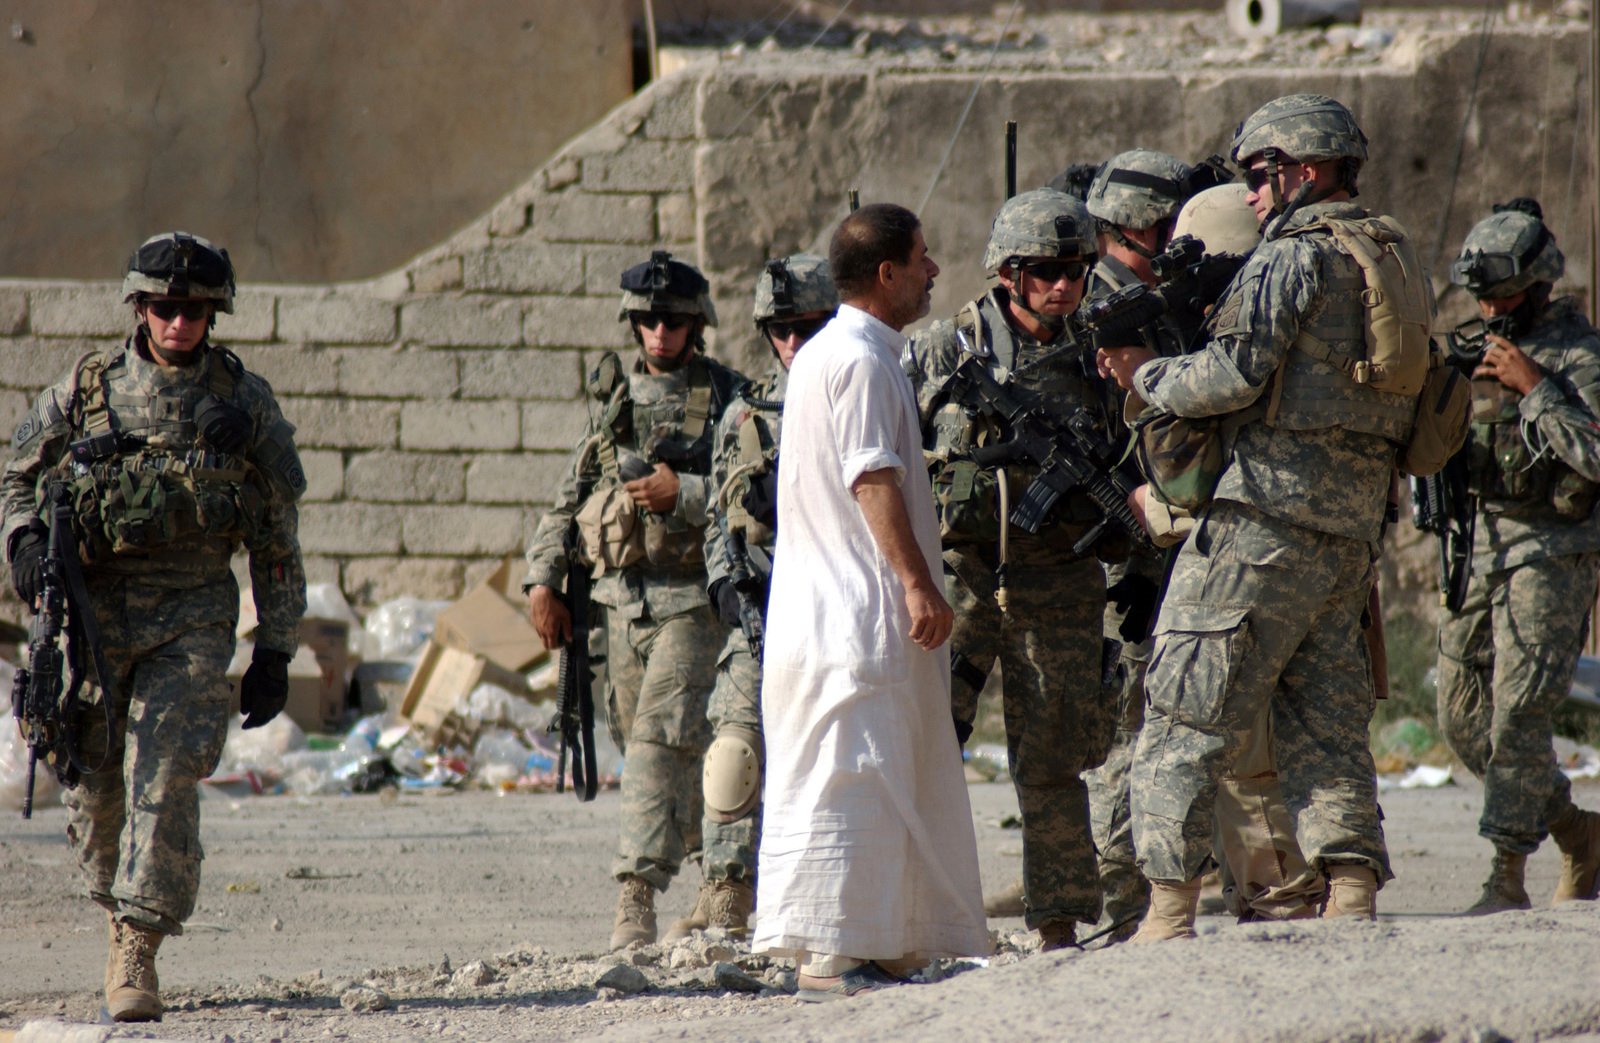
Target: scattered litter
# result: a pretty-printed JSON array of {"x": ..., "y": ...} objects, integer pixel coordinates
[
  {"x": 1423, "y": 776},
  {"x": 244, "y": 887},
  {"x": 1577, "y": 760},
  {"x": 398, "y": 629},
  {"x": 312, "y": 873}
]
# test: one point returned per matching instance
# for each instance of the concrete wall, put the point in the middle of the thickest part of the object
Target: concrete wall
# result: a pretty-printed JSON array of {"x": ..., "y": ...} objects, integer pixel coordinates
[
  {"x": 436, "y": 404},
  {"x": 318, "y": 140}
]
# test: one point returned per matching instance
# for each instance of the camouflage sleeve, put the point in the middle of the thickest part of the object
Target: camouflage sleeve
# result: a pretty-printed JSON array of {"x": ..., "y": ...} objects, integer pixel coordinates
[
  {"x": 38, "y": 442},
  {"x": 547, "y": 555},
  {"x": 277, "y": 572},
  {"x": 929, "y": 358},
  {"x": 695, "y": 495},
  {"x": 1256, "y": 323},
  {"x": 1565, "y": 408},
  {"x": 723, "y": 453}
]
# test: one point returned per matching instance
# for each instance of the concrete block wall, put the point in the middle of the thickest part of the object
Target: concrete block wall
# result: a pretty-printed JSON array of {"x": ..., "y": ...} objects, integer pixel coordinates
[{"x": 437, "y": 405}]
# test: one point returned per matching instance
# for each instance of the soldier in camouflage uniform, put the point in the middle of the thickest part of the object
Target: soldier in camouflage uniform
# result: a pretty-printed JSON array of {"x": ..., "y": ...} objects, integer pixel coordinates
[
  {"x": 1266, "y": 597},
  {"x": 1057, "y": 714},
  {"x": 795, "y": 298},
  {"x": 173, "y": 454},
  {"x": 640, "y": 491},
  {"x": 1506, "y": 659}
]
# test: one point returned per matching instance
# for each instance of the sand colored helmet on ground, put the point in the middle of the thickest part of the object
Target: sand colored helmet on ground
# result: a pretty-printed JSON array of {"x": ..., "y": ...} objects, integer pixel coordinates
[
  {"x": 1221, "y": 219},
  {"x": 1506, "y": 253},
  {"x": 795, "y": 285},
  {"x": 1040, "y": 223},
  {"x": 1139, "y": 188},
  {"x": 177, "y": 264},
  {"x": 663, "y": 284},
  {"x": 1305, "y": 127}
]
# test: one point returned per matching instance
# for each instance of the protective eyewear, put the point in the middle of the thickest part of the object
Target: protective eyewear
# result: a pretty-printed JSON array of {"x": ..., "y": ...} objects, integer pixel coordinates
[
  {"x": 1255, "y": 177},
  {"x": 1055, "y": 271},
  {"x": 649, "y": 320},
  {"x": 804, "y": 329},
  {"x": 167, "y": 311}
]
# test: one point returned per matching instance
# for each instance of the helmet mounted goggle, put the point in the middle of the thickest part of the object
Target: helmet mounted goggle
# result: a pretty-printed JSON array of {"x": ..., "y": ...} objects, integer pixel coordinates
[
  {"x": 782, "y": 288},
  {"x": 1478, "y": 271},
  {"x": 663, "y": 280},
  {"x": 182, "y": 263}
]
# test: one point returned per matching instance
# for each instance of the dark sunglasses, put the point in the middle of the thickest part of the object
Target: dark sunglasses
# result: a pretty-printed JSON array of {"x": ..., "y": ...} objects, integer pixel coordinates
[
  {"x": 805, "y": 329},
  {"x": 1255, "y": 177},
  {"x": 167, "y": 311},
  {"x": 1055, "y": 271},
  {"x": 649, "y": 320}
]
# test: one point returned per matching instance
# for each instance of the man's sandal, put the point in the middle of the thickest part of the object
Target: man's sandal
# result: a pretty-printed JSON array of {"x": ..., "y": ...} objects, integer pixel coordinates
[{"x": 864, "y": 978}]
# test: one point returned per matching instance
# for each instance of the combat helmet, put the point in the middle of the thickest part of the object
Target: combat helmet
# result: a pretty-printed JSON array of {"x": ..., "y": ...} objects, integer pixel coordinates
[
  {"x": 794, "y": 285},
  {"x": 1305, "y": 127},
  {"x": 662, "y": 284},
  {"x": 1042, "y": 223},
  {"x": 1139, "y": 188},
  {"x": 1507, "y": 252},
  {"x": 1221, "y": 219},
  {"x": 177, "y": 264}
]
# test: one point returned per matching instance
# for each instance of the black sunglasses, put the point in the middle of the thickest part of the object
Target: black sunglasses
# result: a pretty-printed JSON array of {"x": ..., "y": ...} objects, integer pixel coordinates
[
  {"x": 1055, "y": 271},
  {"x": 805, "y": 329},
  {"x": 649, "y": 320},
  {"x": 1255, "y": 177},
  {"x": 166, "y": 311}
]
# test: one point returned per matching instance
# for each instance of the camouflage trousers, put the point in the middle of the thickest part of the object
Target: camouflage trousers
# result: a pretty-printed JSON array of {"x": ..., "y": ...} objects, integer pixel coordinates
[
  {"x": 1058, "y": 716},
  {"x": 1260, "y": 613},
  {"x": 659, "y": 676},
  {"x": 135, "y": 824},
  {"x": 1506, "y": 661},
  {"x": 730, "y": 847}
]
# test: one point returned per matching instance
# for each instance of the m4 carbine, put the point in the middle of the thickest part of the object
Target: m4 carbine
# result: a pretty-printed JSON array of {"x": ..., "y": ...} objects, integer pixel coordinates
[
  {"x": 1441, "y": 504},
  {"x": 1190, "y": 280},
  {"x": 1070, "y": 454}
]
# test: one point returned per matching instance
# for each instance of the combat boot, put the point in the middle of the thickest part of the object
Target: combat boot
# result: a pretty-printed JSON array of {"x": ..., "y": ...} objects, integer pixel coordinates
[
  {"x": 1352, "y": 891},
  {"x": 114, "y": 953},
  {"x": 636, "y": 914},
  {"x": 1005, "y": 903},
  {"x": 732, "y": 903},
  {"x": 1057, "y": 934},
  {"x": 1577, "y": 834},
  {"x": 1171, "y": 913},
  {"x": 135, "y": 994},
  {"x": 697, "y": 920},
  {"x": 1503, "y": 890}
]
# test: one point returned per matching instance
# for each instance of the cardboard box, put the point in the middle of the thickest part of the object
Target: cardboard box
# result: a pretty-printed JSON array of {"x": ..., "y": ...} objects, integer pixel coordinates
[
  {"x": 492, "y": 621},
  {"x": 316, "y": 698},
  {"x": 443, "y": 679}
]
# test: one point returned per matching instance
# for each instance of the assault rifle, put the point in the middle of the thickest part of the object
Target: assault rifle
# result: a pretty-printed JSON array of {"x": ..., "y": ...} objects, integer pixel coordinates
[
  {"x": 749, "y": 586},
  {"x": 1070, "y": 454},
  {"x": 47, "y": 716},
  {"x": 1464, "y": 345},
  {"x": 1190, "y": 280},
  {"x": 574, "y": 718},
  {"x": 1441, "y": 504}
]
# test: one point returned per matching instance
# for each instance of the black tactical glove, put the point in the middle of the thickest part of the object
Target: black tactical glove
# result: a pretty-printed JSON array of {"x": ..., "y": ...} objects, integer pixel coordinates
[
  {"x": 726, "y": 601},
  {"x": 1135, "y": 597},
  {"x": 224, "y": 426},
  {"x": 762, "y": 499},
  {"x": 963, "y": 729},
  {"x": 27, "y": 561},
  {"x": 265, "y": 687}
]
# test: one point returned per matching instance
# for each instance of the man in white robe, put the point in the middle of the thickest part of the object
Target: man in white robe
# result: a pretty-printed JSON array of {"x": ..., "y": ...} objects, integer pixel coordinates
[{"x": 868, "y": 864}]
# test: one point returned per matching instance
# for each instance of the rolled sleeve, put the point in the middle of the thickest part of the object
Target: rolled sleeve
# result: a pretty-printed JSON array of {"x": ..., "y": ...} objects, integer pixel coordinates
[{"x": 867, "y": 396}]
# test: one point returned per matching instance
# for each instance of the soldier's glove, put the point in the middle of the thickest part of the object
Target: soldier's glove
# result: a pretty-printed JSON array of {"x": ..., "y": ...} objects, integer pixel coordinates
[
  {"x": 224, "y": 426},
  {"x": 28, "y": 550},
  {"x": 726, "y": 600},
  {"x": 265, "y": 687},
  {"x": 1135, "y": 597},
  {"x": 761, "y": 501}
]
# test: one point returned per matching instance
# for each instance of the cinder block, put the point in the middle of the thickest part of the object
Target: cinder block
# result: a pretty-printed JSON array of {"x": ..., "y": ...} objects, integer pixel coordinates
[
  {"x": 573, "y": 322},
  {"x": 390, "y": 477},
  {"x": 524, "y": 267},
  {"x": 520, "y": 373},
  {"x": 369, "y": 582},
  {"x": 437, "y": 275},
  {"x": 521, "y": 478},
  {"x": 79, "y": 310},
  {"x": 672, "y": 109},
  {"x": 412, "y": 372},
  {"x": 33, "y": 364},
  {"x": 576, "y": 216},
  {"x": 560, "y": 173},
  {"x": 463, "y": 530},
  {"x": 350, "y": 528},
  {"x": 675, "y": 216},
  {"x": 324, "y": 474},
  {"x": 462, "y": 322},
  {"x": 459, "y": 425},
  {"x": 340, "y": 318},
  {"x": 292, "y": 368},
  {"x": 332, "y": 423},
  {"x": 553, "y": 425},
  {"x": 604, "y": 263},
  {"x": 644, "y": 166},
  {"x": 13, "y": 312},
  {"x": 254, "y": 318},
  {"x": 321, "y": 569}
]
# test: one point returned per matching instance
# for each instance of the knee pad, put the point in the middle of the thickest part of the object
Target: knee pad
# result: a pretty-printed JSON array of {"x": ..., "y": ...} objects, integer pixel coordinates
[{"x": 732, "y": 779}]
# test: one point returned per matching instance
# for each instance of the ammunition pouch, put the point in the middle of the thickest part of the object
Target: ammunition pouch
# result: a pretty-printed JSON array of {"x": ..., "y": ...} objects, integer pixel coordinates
[
  {"x": 1505, "y": 474},
  {"x": 610, "y": 533},
  {"x": 1183, "y": 458},
  {"x": 966, "y": 497},
  {"x": 666, "y": 545},
  {"x": 141, "y": 503}
]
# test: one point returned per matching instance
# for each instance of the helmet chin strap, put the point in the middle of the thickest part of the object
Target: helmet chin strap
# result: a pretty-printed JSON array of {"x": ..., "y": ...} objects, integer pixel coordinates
[
  {"x": 1019, "y": 300},
  {"x": 169, "y": 358}
]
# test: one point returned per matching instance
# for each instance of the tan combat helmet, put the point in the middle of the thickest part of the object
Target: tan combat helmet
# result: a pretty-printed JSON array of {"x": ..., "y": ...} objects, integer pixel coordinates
[
  {"x": 1508, "y": 252},
  {"x": 177, "y": 264},
  {"x": 663, "y": 284},
  {"x": 1045, "y": 222},
  {"x": 1221, "y": 219}
]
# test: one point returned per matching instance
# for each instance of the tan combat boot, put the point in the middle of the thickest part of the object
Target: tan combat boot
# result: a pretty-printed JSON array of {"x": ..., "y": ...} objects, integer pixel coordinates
[
  {"x": 114, "y": 954},
  {"x": 732, "y": 903},
  {"x": 1057, "y": 934},
  {"x": 697, "y": 920},
  {"x": 1004, "y": 903},
  {"x": 134, "y": 993},
  {"x": 1503, "y": 890},
  {"x": 1171, "y": 914},
  {"x": 1577, "y": 834},
  {"x": 636, "y": 914},
  {"x": 1352, "y": 891}
]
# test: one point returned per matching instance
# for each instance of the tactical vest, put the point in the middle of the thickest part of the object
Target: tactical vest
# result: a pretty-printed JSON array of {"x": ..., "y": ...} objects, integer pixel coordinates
[
  {"x": 755, "y": 462},
  {"x": 1506, "y": 475},
  {"x": 138, "y": 477}
]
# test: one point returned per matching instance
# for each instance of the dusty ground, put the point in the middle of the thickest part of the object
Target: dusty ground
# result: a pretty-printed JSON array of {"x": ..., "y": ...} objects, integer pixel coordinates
[{"x": 484, "y": 917}]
